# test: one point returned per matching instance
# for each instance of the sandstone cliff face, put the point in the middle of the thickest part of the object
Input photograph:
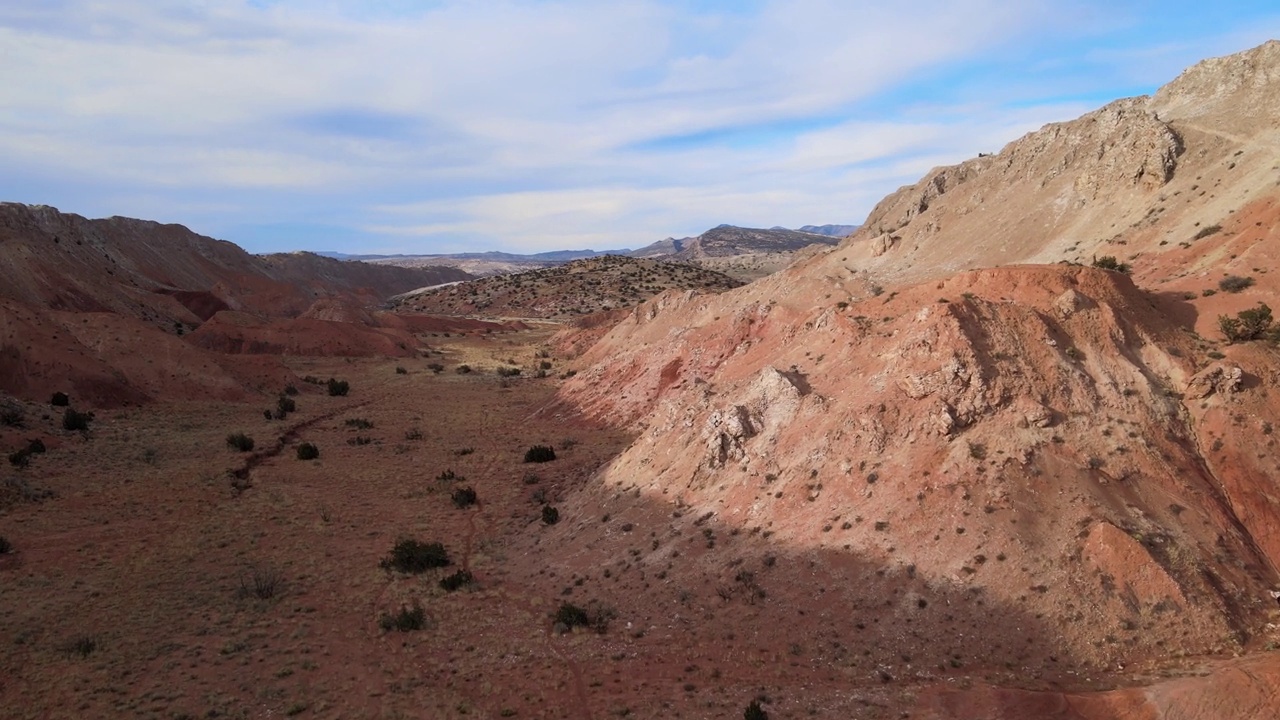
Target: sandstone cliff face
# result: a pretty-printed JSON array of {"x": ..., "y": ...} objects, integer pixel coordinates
[{"x": 1074, "y": 443}]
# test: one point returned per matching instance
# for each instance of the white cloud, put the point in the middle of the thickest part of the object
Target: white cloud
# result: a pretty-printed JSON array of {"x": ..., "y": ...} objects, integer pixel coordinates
[{"x": 511, "y": 123}]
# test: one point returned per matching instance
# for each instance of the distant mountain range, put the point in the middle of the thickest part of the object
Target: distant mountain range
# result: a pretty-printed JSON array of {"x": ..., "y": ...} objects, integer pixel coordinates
[{"x": 745, "y": 253}]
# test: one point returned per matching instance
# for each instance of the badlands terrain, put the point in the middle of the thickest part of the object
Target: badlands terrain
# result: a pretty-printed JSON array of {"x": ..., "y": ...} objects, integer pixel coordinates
[{"x": 1005, "y": 452}]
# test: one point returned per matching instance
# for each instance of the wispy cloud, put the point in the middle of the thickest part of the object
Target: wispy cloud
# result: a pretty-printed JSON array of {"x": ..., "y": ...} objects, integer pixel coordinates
[{"x": 519, "y": 124}]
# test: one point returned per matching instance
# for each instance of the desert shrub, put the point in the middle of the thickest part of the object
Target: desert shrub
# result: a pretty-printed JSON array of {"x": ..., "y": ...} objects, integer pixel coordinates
[
  {"x": 401, "y": 371},
  {"x": 240, "y": 442},
  {"x": 1109, "y": 262},
  {"x": 290, "y": 390},
  {"x": 1234, "y": 283},
  {"x": 261, "y": 583},
  {"x": 20, "y": 458},
  {"x": 359, "y": 440},
  {"x": 462, "y": 369},
  {"x": 571, "y": 615},
  {"x": 464, "y": 497},
  {"x": 413, "y": 556},
  {"x": 338, "y": 388},
  {"x": 1206, "y": 231},
  {"x": 754, "y": 712},
  {"x": 12, "y": 415},
  {"x": 413, "y": 434},
  {"x": 460, "y": 452},
  {"x": 60, "y": 399},
  {"x": 35, "y": 447},
  {"x": 544, "y": 365},
  {"x": 1247, "y": 324},
  {"x": 550, "y": 515},
  {"x": 285, "y": 405},
  {"x": 358, "y": 423},
  {"x": 449, "y": 476},
  {"x": 5, "y": 545},
  {"x": 531, "y": 479},
  {"x": 82, "y": 645},
  {"x": 407, "y": 619},
  {"x": 596, "y": 616},
  {"x": 308, "y": 451},
  {"x": 540, "y": 454},
  {"x": 456, "y": 581},
  {"x": 435, "y": 367},
  {"x": 508, "y": 371},
  {"x": 74, "y": 420}
]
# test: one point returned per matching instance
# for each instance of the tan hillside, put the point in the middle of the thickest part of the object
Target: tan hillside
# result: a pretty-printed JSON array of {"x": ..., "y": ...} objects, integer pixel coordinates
[
  {"x": 1051, "y": 441},
  {"x": 581, "y": 287}
]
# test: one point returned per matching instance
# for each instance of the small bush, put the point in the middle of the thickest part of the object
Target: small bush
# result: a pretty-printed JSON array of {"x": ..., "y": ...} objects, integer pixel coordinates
[
  {"x": 1248, "y": 324},
  {"x": 407, "y": 619},
  {"x": 456, "y": 581},
  {"x": 240, "y": 442},
  {"x": 401, "y": 371},
  {"x": 359, "y": 440},
  {"x": 262, "y": 583},
  {"x": 5, "y": 545},
  {"x": 308, "y": 451},
  {"x": 460, "y": 452},
  {"x": 464, "y": 497},
  {"x": 413, "y": 434},
  {"x": 290, "y": 390},
  {"x": 596, "y": 617},
  {"x": 20, "y": 458},
  {"x": 358, "y": 423},
  {"x": 755, "y": 712},
  {"x": 285, "y": 405},
  {"x": 412, "y": 556},
  {"x": 1234, "y": 283},
  {"x": 1206, "y": 231},
  {"x": 73, "y": 420},
  {"x": 12, "y": 416},
  {"x": 462, "y": 369},
  {"x": 571, "y": 616},
  {"x": 540, "y": 454},
  {"x": 550, "y": 515},
  {"x": 338, "y": 388},
  {"x": 435, "y": 367},
  {"x": 1109, "y": 262},
  {"x": 83, "y": 645},
  {"x": 508, "y": 371},
  {"x": 60, "y": 399}
]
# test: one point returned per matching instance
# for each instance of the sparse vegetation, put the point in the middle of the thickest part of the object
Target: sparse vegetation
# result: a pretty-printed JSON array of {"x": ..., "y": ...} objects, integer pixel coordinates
[
  {"x": 5, "y": 545},
  {"x": 60, "y": 399},
  {"x": 261, "y": 583},
  {"x": 507, "y": 372},
  {"x": 308, "y": 451},
  {"x": 240, "y": 442},
  {"x": 1206, "y": 231},
  {"x": 82, "y": 645},
  {"x": 464, "y": 497},
  {"x": 338, "y": 388},
  {"x": 596, "y": 616},
  {"x": 550, "y": 515},
  {"x": 12, "y": 415},
  {"x": 358, "y": 423},
  {"x": 462, "y": 369},
  {"x": 1109, "y": 262},
  {"x": 755, "y": 712},
  {"x": 413, "y": 557},
  {"x": 540, "y": 454},
  {"x": 456, "y": 581},
  {"x": 73, "y": 420},
  {"x": 1253, "y": 324},
  {"x": 1234, "y": 283},
  {"x": 406, "y": 619}
]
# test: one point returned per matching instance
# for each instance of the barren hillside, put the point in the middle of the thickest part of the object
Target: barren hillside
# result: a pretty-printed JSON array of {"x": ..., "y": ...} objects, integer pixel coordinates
[{"x": 950, "y": 397}]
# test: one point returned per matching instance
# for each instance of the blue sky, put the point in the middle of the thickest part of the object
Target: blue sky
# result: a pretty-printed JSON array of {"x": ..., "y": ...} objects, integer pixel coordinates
[{"x": 402, "y": 126}]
